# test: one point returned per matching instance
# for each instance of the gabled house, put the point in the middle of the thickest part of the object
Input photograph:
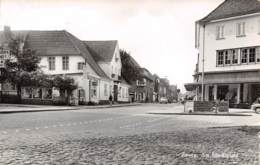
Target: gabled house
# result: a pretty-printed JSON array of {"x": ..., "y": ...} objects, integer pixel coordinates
[
  {"x": 229, "y": 54},
  {"x": 106, "y": 55},
  {"x": 61, "y": 53}
]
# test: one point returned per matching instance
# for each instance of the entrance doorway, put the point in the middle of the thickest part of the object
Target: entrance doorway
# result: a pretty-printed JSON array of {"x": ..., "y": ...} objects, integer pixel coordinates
[
  {"x": 211, "y": 93},
  {"x": 255, "y": 89},
  {"x": 222, "y": 92}
]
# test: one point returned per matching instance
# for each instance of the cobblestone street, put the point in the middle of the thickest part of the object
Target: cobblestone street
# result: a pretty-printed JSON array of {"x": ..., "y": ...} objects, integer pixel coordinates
[{"x": 126, "y": 135}]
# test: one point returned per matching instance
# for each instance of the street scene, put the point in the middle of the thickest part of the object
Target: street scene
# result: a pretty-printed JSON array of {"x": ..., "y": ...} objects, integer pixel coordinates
[
  {"x": 110, "y": 82},
  {"x": 140, "y": 134}
]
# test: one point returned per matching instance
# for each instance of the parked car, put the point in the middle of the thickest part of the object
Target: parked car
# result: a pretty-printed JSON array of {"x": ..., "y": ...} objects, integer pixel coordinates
[
  {"x": 163, "y": 100},
  {"x": 256, "y": 107}
]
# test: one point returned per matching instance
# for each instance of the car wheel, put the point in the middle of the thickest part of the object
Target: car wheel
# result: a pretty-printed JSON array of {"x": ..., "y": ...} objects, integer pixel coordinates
[{"x": 257, "y": 110}]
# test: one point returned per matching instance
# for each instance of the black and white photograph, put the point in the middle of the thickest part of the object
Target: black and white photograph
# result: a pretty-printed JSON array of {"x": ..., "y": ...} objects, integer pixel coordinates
[{"x": 129, "y": 82}]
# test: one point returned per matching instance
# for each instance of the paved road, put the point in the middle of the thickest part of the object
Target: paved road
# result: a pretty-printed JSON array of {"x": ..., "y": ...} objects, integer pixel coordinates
[{"x": 51, "y": 137}]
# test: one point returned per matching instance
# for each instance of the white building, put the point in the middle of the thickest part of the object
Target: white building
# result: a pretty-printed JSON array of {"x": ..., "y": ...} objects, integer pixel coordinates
[
  {"x": 228, "y": 41},
  {"x": 61, "y": 53}
]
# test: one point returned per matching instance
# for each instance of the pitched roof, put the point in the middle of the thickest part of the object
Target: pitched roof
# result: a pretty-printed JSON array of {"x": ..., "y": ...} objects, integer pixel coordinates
[
  {"x": 57, "y": 43},
  {"x": 145, "y": 73},
  {"x": 232, "y": 8},
  {"x": 102, "y": 50},
  {"x": 134, "y": 62}
]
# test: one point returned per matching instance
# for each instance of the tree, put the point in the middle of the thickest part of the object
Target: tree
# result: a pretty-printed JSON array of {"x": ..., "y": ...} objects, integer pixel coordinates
[
  {"x": 22, "y": 65},
  {"x": 66, "y": 85},
  {"x": 130, "y": 71}
]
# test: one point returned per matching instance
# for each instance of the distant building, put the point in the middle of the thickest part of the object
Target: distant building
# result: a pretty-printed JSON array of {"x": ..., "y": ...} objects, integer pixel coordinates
[
  {"x": 173, "y": 93},
  {"x": 164, "y": 88}
]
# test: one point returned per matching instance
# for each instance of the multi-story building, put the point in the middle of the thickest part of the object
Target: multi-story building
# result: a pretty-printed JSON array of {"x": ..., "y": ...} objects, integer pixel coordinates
[
  {"x": 164, "y": 88},
  {"x": 228, "y": 41},
  {"x": 61, "y": 53},
  {"x": 107, "y": 56},
  {"x": 144, "y": 87}
]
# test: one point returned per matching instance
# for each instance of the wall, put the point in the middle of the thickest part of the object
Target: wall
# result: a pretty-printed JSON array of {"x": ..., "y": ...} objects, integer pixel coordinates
[
  {"x": 252, "y": 38},
  {"x": 102, "y": 89},
  {"x": 124, "y": 96},
  {"x": 113, "y": 67},
  {"x": 73, "y": 65}
]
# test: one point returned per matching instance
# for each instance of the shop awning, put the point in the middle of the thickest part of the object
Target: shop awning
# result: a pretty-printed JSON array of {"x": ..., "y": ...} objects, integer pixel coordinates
[
  {"x": 227, "y": 78},
  {"x": 191, "y": 86}
]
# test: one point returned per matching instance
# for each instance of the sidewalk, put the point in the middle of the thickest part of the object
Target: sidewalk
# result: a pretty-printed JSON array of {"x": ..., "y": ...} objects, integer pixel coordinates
[
  {"x": 179, "y": 110},
  {"x": 20, "y": 108}
]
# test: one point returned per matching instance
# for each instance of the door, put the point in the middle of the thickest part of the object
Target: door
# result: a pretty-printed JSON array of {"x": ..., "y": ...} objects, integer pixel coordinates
[
  {"x": 115, "y": 92},
  {"x": 211, "y": 93}
]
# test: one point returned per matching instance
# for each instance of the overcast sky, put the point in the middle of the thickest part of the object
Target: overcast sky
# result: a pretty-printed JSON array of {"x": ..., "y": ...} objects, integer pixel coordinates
[{"x": 159, "y": 34}]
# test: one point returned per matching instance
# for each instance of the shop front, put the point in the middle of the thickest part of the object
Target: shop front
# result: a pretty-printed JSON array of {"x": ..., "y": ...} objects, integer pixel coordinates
[{"x": 240, "y": 89}]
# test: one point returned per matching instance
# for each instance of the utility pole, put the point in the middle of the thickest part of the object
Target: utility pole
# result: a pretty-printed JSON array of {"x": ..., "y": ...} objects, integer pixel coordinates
[{"x": 203, "y": 63}]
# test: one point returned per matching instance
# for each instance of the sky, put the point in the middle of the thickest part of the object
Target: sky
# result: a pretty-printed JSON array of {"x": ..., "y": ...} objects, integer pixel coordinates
[{"x": 159, "y": 34}]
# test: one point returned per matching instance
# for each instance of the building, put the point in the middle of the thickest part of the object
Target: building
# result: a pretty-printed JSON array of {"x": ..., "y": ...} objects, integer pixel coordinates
[
  {"x": 107, "y": 56},
  {"x": 61, "y": 53},
  {"x": 164, "y": 88},
  {"x": 229, "y": 53},
  {"x": 144, "y": 87},
  {"x": 173, "y": 96}
]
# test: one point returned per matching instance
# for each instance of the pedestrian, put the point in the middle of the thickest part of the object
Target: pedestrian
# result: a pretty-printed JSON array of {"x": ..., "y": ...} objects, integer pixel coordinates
[{"x": 110, "y": 99}]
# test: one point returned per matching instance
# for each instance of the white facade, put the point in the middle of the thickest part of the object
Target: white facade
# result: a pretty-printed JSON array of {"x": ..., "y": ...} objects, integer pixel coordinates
[
  {"x": 229, "y": 48},
  {"x": 114, "y": 66},
  {"x": 230, "y": 41}
]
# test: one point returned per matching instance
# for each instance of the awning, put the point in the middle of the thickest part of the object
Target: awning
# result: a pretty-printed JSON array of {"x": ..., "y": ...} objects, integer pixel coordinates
[
  {"x": 232, "y": 78},
  {"x": 191, "y": 86},
  {"x": 226, "y": 78}
]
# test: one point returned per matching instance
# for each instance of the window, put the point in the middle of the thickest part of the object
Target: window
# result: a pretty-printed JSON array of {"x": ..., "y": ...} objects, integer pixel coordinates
[
  {"x": 65, "y": 63},
  {"x": 244, "y": 55},
  {"x": 258, "y": 26},
  {"x": 220, "y": 32},
  {"x": 126, "y": 92},
  {"x": 258, "y": 54},
  {"x": 123, "y": 92},
  {"x": 252, "y": 55},
  {"x": 227, "y": 58},
  {"x": 220, "y": 58},
  {"x": 240, "y": 29},
  {"x": 105, "y": 90},
  {"x": 51, "y": 61},
  {"x": 94, "y": 88},
  {"x": 234, "y": 55},
  {"x": 80, "y": 65}
]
